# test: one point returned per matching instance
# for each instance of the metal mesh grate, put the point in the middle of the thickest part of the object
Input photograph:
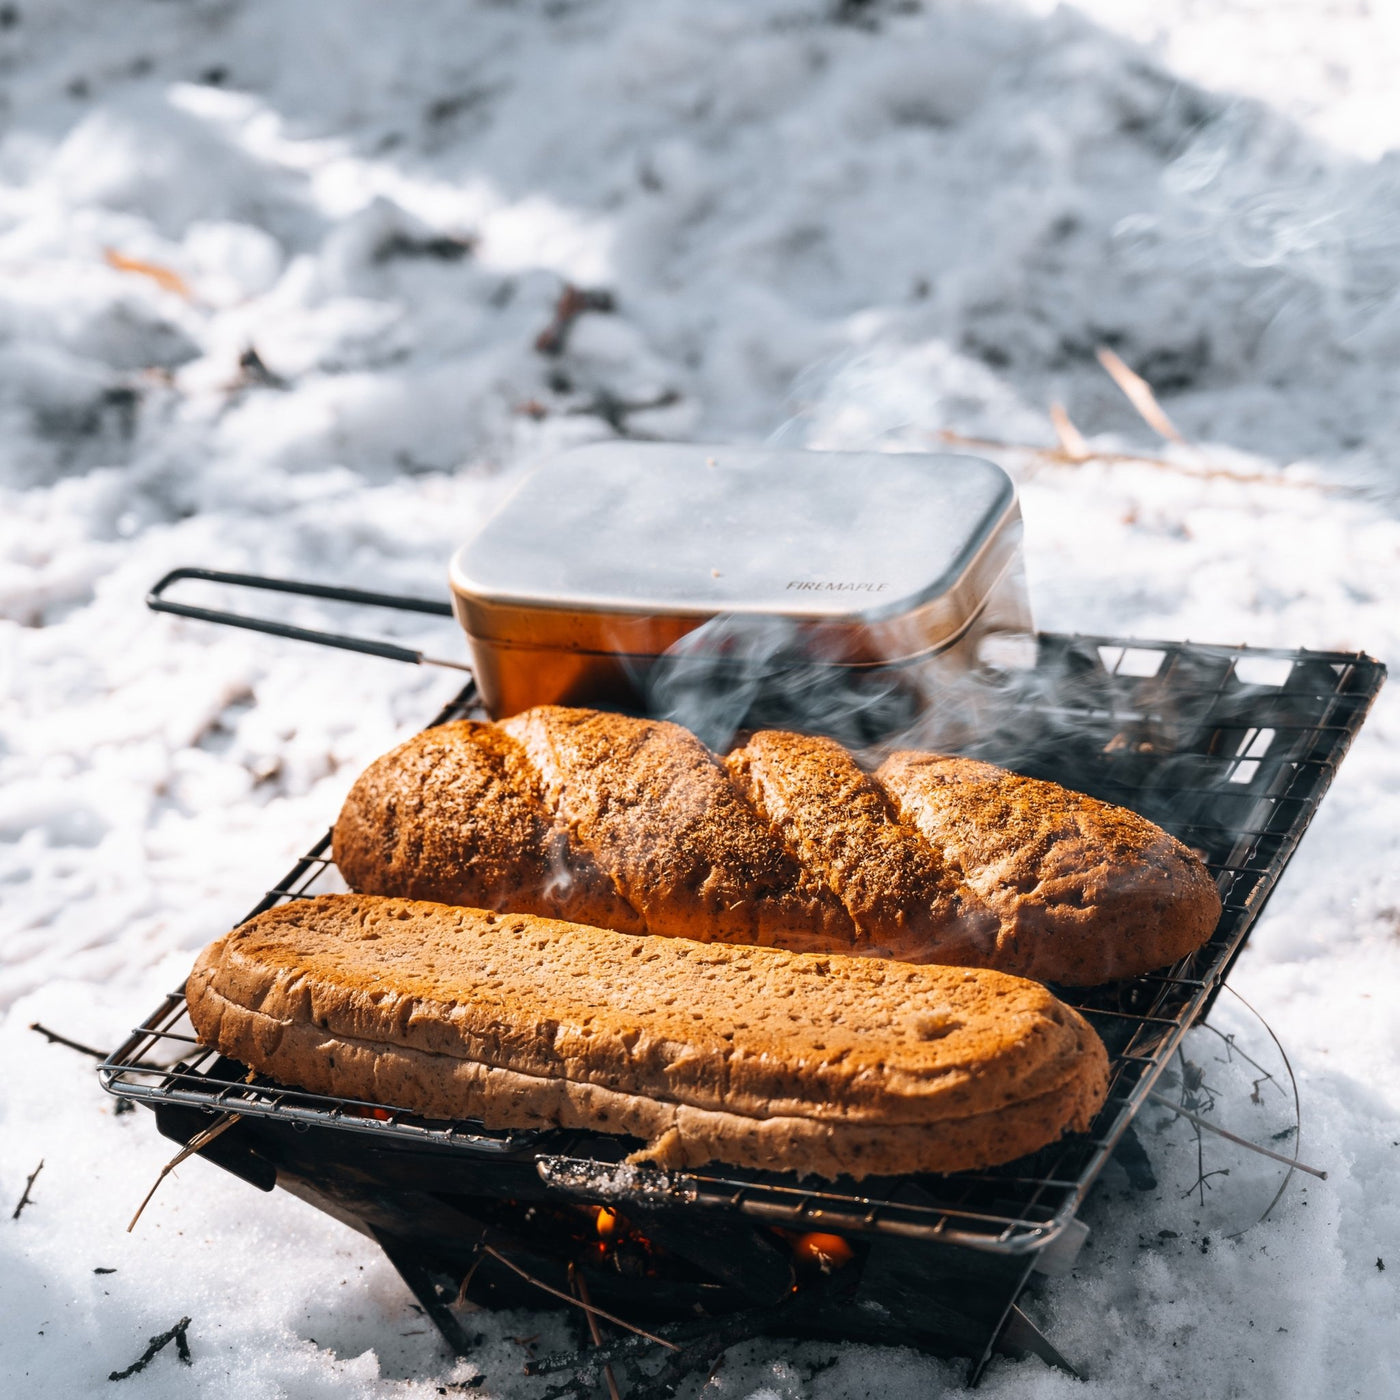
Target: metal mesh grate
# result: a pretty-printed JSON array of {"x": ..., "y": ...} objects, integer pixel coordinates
[{"x": 1230, "y": 749}]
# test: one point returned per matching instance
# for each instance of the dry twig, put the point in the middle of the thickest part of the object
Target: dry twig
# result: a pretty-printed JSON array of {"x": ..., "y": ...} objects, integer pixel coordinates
[
  {"x": 1073, "y": 450},
  {"x": 54, "y": 1038},
  {"x": 1071, "y": 440},
  {"x": 1139, "y": 393},
  {"x": 167, "y": 279},
  {"x": 614, "y": 411},
  {"x": 569, "y": 1298},
  {"x": 573, "y": 302},
  {"x": 461, "y": 1300},
  {"x": 157, "y": 1344},
  {"x": 200, "y": 1139},
  {"x": 1059, "y": 457},
  {"x": 581, "y": 1284},
  {"x": 445, "y": 247},
  {"x": 1232, "y": 1137},
  {"x": 28, "y": 1186}
]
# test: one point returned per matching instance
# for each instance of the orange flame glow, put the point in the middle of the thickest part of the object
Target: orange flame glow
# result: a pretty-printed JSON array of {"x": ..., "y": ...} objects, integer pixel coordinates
[
  {"x": 606, "y": 1223},
  {"x": 829, "y": 1252}
]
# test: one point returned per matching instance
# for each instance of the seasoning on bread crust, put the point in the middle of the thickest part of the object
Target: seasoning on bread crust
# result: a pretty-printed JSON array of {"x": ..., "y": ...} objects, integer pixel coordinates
[
  {"x": 632, "y": 824},
  {"x": 1083, "y": 891},
  {"x": 825, "y": 1065}
]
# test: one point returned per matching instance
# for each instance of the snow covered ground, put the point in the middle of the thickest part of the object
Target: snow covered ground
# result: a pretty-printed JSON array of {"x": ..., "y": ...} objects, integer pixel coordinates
[{"x": 271, "y": 278}]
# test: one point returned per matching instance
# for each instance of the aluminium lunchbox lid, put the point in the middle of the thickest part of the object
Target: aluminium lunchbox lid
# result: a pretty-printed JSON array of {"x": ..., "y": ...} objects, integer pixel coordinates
[{"x": 626, "y": 546}]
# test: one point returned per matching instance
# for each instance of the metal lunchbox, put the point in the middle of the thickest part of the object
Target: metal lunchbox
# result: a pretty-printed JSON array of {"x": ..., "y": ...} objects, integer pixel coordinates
[
  {"x": 723, "y": 587},
  {"x": 701, "y": 582}
]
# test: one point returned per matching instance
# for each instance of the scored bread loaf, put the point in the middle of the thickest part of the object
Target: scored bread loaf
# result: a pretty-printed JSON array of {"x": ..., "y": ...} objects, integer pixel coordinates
[
  {"x": 826, "y": 1065},
  {"x": 633, "y": 825}
]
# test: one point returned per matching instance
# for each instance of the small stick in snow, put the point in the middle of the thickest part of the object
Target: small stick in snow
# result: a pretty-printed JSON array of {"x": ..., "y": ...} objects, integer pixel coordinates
[
  {"x": 166, "y": 278},
  {"x": 1139, "y": 393},
  {"x": 156, "y": 1345},
  {"x": 573, "y": 302},
  {"x": 28, "y": 1185},
  {"x": 201, "y": 1139},
  {"x": 1232, "y": 1137},
  {"x": 581, "y": 1285},
  {"x": 1059, "y": 457},
  {"x": 461, "y": 1300},
  {"x": 613, "y": 410},
  {"x": 54, "y": 1038},
  {"x": 569, "y": 1298},
  {"x": 1071, "y": 440}
]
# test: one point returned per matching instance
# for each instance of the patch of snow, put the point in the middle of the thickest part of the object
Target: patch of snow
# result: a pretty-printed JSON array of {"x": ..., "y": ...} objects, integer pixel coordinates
[{"x": 271, "y": 279}]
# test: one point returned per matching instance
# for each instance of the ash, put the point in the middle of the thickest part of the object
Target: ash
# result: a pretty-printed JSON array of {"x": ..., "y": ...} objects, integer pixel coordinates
[{"x": 282, "y": 289}]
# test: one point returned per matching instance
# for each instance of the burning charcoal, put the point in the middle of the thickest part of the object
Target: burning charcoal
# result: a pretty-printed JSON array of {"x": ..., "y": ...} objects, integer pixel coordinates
[{"x": 827, "y": 1252}]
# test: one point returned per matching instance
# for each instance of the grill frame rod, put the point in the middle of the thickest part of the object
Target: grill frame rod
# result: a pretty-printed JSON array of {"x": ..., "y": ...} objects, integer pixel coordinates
[{"x": 1234, "y": 767}]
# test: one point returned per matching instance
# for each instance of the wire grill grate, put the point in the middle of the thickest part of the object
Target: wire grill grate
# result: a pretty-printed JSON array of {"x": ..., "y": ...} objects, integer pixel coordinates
[{"x": 1233, "y": 766}]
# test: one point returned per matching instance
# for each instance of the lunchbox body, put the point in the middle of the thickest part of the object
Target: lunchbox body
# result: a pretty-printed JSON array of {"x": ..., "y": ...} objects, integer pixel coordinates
[{"x": 619, "y": 572}]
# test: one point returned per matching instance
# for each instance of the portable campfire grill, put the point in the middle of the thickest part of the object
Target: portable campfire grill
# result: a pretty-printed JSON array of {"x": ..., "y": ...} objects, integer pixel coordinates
[{"x": 1230, "y": 749}]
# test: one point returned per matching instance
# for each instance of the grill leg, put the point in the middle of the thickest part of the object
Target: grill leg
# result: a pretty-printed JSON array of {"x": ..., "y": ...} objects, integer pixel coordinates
[
  {"x": 1021, "y": 1336},
  {"x": 434, "y": 1299}
]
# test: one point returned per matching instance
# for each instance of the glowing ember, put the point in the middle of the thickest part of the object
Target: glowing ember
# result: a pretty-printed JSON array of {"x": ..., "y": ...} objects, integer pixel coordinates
[
  {"x": 364, "y": 1111},
  {"x": 829, "y": 1252},
  {"x": 606, "y": 1223}
]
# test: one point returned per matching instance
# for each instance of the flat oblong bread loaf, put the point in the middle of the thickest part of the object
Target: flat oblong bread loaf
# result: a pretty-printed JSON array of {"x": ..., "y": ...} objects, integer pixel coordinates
[
  {"x": 632, "y": 824},
  {"x": 824, "y": 1065}
]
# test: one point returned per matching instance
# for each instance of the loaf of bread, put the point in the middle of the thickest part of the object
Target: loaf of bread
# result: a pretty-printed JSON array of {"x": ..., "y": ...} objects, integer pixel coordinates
[
  {"x": 825, "y": 1065},
  {"x": 633, "y": 825}
]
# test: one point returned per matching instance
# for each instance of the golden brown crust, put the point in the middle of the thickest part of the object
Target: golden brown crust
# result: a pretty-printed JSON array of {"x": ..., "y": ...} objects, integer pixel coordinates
[
  {"x": 633, "y": 825},
  {"x": 902, "y": 898},
  {"x": 652, "y": 806},
  {"x": 455, "y": 814},
  {"x": 752, "y": 1056},
  {"x": 1086, "y": 892}
]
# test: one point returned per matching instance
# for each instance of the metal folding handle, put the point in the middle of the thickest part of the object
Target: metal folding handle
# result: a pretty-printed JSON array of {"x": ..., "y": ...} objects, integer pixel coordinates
[{"x": 157, "y": 602}]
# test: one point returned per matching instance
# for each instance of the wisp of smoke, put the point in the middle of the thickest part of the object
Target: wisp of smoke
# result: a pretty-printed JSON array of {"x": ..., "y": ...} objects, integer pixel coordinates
[{"x": 743, "y": 673}]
